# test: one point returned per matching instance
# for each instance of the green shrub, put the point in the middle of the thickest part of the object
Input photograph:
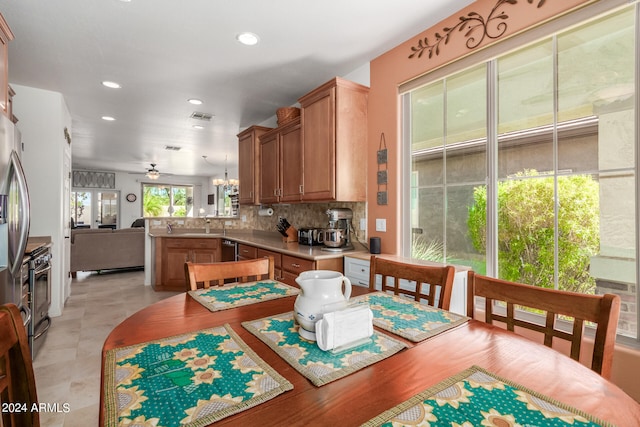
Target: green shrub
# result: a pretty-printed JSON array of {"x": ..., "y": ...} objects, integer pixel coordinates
[{"x": 526, "y": 224}]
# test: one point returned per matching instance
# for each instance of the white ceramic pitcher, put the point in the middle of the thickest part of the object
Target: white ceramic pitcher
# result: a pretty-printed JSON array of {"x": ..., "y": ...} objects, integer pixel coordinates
[{"x": 321, "y": 293}]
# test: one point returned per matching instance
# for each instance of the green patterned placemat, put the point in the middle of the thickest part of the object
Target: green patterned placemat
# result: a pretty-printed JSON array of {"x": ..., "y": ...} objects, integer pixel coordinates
[
  {"x": 321, "y": 367},
  {"x": 408, "y": 318},
  {"x": 190, "y": 380},
  {"x": 476, "y": 397},
  {"x": 234, "y": 295}
]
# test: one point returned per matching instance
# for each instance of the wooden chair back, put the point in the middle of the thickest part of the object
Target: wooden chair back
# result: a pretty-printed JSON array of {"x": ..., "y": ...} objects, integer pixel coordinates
[
  {"x": 604, "y": 310},
  {"x": 430, "y": 281},
  {"x": 17, "y": 381},
  {"x": 209, "y": 274}
]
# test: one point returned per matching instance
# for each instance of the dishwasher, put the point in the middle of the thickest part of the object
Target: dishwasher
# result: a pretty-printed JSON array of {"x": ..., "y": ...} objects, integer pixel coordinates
[{"x": 229, "y": 250}]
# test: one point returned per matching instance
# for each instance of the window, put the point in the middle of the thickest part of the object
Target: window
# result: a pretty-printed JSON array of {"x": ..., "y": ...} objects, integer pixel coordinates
[
  {"x": 160, "y": 200},
  {"x": 524, "y": 167},
  {"x": 94, "y": 208}
]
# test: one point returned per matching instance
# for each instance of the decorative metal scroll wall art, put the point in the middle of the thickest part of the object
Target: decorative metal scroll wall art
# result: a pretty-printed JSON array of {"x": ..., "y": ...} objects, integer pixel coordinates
[
  {"x": 93, "y": 179},
  {"x": 382, "y": 171},
  {"x": 477, "y": 29}
]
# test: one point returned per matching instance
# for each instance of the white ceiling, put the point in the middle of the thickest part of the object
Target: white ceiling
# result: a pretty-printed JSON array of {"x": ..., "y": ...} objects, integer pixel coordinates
[{"x": 163, "y": 52}]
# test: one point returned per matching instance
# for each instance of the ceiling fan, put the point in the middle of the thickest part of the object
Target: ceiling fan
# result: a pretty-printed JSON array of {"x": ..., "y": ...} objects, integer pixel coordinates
[{"x": 153, "y": 173}]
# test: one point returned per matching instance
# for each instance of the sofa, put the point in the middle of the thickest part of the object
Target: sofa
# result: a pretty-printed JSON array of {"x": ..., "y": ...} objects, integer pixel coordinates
[{"x": 106, "y": 249}]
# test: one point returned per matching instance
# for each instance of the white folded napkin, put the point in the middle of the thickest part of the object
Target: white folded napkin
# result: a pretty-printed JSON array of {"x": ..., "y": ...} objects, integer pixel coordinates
[{"x": 343, "y": 327}]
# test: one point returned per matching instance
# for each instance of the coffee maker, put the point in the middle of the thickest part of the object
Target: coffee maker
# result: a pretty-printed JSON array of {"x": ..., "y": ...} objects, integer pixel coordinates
[{"x": 337, "y": 238}]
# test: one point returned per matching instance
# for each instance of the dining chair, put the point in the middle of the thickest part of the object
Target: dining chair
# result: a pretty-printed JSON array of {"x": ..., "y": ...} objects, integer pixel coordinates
[
  {"x": 438, "y": 280},
  {"x": 17, "y": 381},
  {"x": 242, "y": 271},
  {"x": 604, "y": 310}
]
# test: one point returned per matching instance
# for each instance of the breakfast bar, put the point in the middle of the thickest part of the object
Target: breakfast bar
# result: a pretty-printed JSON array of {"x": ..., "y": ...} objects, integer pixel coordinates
[{"x": 468, "y": 349}]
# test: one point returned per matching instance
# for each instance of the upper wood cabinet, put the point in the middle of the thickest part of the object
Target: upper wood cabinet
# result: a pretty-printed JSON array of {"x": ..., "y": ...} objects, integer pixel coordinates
[
  {"x": 334, "y": 142},
  {"x": 249, "y": 164},
  {"x": 5, "y": 37},
  {"x": 281, "y": 164}
]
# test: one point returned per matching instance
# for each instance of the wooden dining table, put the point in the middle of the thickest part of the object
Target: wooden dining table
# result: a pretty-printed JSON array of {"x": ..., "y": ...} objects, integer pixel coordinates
[{"x": 360, "y": 396}]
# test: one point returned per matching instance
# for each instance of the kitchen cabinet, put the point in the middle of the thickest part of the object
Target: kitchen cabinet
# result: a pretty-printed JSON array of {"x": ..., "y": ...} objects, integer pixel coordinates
[
  {"x": 5, "y": 37},
  {"x": 292, "y": 266},
  {"x": 249, "y": 164},
  {"x": 281, "y": 164},
  {"x": 334, "y": 142},
  {"x": 247, "y": 252},
  {"x": 288, "y": 267},
  {"x": 277, "y": 261},
  {"x": 171, "y": 255}
]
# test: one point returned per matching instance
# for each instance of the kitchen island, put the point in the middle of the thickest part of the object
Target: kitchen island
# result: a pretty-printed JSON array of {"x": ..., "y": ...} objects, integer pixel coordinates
[{"x": 169, "y": 252}]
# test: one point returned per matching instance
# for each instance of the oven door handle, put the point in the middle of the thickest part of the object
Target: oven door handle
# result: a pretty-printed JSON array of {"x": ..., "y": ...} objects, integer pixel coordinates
[
  {"x": 28, "y": 315},
  {"x": 47, "y": 268},
  {"x": 42, "y": 332}
]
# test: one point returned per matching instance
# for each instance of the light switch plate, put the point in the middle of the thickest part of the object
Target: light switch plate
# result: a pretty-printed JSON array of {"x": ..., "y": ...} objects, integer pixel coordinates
[{"x": 381, "y": 224}]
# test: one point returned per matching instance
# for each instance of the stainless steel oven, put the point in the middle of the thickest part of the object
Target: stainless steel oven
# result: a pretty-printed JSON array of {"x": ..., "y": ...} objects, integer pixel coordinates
[{"x": 40, "y": 292}]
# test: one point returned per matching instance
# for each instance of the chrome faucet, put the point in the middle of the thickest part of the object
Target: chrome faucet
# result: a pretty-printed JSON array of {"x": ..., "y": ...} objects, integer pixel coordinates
[{"x": 169, "y": 228}]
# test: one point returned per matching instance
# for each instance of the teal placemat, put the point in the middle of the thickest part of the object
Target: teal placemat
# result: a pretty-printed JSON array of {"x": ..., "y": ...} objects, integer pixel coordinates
[
  {"x": 321, "y": 367},
  {"x": 190, "y": 380},
  {"x": 476, "y": 397},
  {"x": 234, "y": 295},
  {"x": 408, "y": 318}
]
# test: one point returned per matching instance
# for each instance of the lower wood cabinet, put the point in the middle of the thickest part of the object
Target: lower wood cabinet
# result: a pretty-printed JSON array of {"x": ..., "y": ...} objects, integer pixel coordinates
[
  {"x": 287, "y": 267},
  {"x": 247, "y": 252},
  {"x": 171, "y": 255},
  {"x": 293, "y": 266},
  {"x": 277, "y": 261}
]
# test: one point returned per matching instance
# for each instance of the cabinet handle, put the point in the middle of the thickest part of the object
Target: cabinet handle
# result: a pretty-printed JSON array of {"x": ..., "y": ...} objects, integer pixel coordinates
[
  {"x": 294, "y": 265},
  {"x": 301, "y": 189}
]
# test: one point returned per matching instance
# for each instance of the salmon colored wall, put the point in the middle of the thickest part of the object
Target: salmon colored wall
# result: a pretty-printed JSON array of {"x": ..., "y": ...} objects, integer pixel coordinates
[{"x": 393, "y": 68}]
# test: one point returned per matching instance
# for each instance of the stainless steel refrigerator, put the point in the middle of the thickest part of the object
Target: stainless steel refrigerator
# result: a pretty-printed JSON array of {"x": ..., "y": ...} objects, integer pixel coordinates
[{"x": 14, "y": 217}]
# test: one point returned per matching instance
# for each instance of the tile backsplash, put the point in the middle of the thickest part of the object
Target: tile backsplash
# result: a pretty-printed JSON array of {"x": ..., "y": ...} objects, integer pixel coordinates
[{"x": 299, "y": 215}]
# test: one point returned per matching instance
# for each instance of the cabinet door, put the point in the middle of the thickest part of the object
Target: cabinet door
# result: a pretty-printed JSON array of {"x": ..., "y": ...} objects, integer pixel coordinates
[
  {"x": 173, "y": 273},
  {"x": 5, "y": 37},
  {"x": 204, "y": 256},
  {"x": 269, "y": 168},
  {"x": 293, "y": 266},
  {"x": 319, "y": 147},
  {"x": 277, "y": 261},
  {"x": 291, "y": 163},
  {"x": 249, "y": 164},
  {"x": 247, "y": 252},
  {"x": 246, "y": 169}
]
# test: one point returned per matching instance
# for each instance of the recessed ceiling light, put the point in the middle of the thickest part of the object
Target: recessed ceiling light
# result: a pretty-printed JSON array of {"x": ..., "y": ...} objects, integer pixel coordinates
[
  {"x": 248, "y": 39},
  {"x": 194, "y": 101},
  {"x": 108, "y": 118},
  {"x": 112, "y": 85},
  {"x": 198, "y": 127}
]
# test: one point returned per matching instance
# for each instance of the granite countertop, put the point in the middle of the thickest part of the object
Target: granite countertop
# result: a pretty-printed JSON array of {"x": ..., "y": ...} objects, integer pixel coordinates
[
  {"x": 262, "y": 239},
  {"x": 36, "y": 242}
]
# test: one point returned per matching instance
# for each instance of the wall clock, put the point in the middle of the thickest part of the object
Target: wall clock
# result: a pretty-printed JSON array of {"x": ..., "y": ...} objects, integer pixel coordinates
[{"x": 131, "y": 197}]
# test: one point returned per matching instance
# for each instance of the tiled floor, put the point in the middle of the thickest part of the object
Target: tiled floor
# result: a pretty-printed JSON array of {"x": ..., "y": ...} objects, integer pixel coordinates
[{"x": 67, "y": 368}]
